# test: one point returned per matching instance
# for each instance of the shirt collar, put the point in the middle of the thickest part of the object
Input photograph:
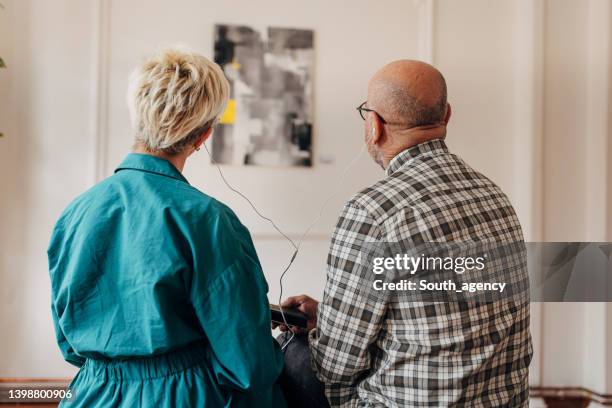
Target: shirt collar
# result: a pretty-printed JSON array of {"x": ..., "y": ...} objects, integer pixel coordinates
[
  {"x": 150, "y": 164},
  {"x": 436, "y": 146}
]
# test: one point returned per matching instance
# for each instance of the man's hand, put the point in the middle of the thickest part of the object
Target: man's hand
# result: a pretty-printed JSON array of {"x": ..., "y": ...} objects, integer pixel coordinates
[{"x": 304, "y": 304}]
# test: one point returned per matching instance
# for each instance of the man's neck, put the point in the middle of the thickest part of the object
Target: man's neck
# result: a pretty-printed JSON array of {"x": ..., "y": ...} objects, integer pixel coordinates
[
  {"x": 177, "y": 160},
  {"x": 405, "y": 139}
]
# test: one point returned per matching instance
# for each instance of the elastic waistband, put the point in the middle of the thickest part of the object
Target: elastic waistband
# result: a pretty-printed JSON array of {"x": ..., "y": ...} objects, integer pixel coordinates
[{"x": 142, "y": 368}]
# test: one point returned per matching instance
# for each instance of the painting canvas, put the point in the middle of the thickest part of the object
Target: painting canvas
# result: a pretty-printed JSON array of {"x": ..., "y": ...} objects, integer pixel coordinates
[{"x": 268, "y": 120}]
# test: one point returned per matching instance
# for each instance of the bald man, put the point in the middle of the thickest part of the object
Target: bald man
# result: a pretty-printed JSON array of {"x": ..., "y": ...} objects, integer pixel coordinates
[{"x": 392, "y": 352}]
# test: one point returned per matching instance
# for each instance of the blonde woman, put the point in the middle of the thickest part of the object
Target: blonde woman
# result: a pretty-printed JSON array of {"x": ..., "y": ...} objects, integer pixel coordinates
[{"x": 157, "y": 292}]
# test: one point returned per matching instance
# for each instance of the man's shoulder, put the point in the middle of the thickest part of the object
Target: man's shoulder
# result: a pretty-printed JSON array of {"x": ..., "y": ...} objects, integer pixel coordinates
[
  {"x": 380, "y": 199},
  {"x": 399, "y": 189},
  {"x": 425, "y": 185}
]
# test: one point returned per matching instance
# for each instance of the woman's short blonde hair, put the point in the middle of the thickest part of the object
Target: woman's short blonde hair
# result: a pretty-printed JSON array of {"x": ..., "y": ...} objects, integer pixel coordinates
[{"x": 173, "y": 98}]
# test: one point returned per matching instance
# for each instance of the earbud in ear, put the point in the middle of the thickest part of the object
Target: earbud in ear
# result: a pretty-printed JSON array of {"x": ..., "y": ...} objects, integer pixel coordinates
[{"x": 373, "y": 130}]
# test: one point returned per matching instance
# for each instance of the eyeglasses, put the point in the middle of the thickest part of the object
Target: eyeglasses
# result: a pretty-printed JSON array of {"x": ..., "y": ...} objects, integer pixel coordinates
[{"x": 362, "y": 109}]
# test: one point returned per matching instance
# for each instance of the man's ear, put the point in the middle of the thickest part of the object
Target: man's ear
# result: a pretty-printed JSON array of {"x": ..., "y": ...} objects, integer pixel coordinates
[
  {"x": 448, "y": 114},
  {"x": 203, "y": 138},
  {"x": 376, "y": 129}
]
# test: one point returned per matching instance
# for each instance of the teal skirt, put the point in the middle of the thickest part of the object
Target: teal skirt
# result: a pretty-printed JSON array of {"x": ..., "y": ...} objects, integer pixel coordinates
[{"x": 177, "y": 379}]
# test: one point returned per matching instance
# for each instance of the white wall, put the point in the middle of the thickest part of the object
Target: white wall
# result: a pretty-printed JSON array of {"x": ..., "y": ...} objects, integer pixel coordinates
[
  {"x": 576, "y": 336},
  {"x": 43, "y": 160},
  {"x": 67, "y": 127},
  {"x": 528, "y": 82}
]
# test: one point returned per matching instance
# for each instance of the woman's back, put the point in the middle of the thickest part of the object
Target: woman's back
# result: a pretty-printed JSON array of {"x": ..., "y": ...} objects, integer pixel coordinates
[{"x": 143, "y": 267}]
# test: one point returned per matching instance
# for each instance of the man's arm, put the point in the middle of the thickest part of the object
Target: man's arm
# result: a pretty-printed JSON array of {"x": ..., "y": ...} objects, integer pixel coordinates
[{"x": 349, "y": 317}]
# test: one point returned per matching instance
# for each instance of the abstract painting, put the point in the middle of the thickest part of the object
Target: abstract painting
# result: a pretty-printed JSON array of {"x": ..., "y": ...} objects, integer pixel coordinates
[{"x": 268, "y": 120}]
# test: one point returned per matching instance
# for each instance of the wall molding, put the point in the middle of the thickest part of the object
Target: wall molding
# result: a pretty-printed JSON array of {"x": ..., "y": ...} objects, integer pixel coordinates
[
  {"x": 597, "y": 107},
  {"x": 569, "y": 397},
  {"x": 273, "y": 236},
  {"x": 99, "y": 91},
  {"x": 529, "y": 142},
  {"x": 529, "y": 115},
  {"x": 426, "y": 29}
]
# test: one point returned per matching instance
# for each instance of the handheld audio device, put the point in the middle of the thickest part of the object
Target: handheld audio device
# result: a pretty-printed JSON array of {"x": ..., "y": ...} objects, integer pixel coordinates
[
  {"x": 285, "y": 313},
  {"x": 289, "y": 316}
]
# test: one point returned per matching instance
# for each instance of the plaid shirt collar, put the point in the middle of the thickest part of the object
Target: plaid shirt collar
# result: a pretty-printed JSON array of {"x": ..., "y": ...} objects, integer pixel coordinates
[{"x": 435, "y": 147}]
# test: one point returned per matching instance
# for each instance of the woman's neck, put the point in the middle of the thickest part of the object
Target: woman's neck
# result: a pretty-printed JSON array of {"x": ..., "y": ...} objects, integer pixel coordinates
[{"x": 177, "y": 160}]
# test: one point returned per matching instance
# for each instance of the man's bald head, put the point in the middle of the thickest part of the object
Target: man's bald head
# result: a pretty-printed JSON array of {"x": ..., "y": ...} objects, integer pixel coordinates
[{"x": 409, "y": 93}]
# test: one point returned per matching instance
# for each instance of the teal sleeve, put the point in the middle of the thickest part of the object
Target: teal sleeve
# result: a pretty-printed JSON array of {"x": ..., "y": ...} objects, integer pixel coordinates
[
  {"x": 55, "y": 253},
  {"x": 67, "y": 351},
  {"x": 229, "y": 294}
]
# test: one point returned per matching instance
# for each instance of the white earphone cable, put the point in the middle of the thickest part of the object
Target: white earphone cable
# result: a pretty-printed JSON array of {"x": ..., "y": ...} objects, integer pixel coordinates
[{"x": 295, "y": 246}]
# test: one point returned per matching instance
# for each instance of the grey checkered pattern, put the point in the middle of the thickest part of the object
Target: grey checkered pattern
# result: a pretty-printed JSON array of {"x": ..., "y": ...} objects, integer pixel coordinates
[{"x": 395, "y": 353}]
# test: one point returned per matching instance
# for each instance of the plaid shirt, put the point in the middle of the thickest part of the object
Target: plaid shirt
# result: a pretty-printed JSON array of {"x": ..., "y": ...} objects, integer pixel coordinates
[{"x": 407, "y": 354}]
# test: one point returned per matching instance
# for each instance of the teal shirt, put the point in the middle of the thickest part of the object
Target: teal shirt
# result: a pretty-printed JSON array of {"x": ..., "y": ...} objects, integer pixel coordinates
[{"x": 143, "y": 264}]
